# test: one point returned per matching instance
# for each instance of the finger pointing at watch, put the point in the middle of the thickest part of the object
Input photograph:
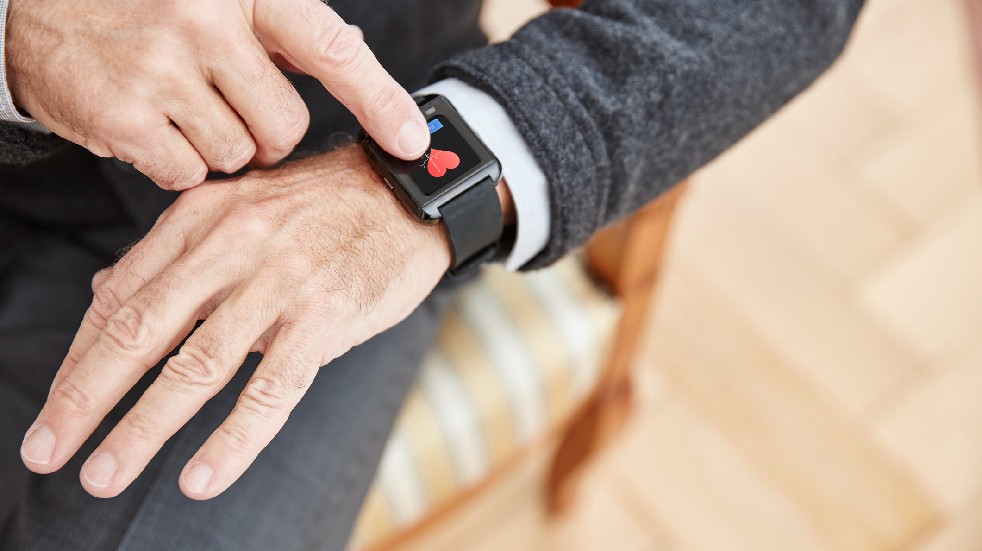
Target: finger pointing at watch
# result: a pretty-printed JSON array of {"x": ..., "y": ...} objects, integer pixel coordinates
[
  {"x": 319, "y": 43},
  {"x": 179, "y": 88}
]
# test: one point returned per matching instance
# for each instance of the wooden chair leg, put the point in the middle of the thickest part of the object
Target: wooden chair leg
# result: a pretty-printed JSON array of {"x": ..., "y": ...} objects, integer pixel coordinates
[{"x": 605, "y": 413}]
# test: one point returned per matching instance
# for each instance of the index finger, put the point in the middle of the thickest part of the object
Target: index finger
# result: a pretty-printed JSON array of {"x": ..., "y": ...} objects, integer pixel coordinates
[{"x": 318, "y": 42}]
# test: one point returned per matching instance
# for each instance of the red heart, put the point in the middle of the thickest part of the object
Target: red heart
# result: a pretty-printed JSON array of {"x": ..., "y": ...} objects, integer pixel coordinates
[{"x": 441, "y": 161}]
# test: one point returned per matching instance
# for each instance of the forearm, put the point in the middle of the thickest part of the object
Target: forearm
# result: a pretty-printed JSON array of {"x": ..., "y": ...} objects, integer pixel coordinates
[{"x": 624, "y": 98}]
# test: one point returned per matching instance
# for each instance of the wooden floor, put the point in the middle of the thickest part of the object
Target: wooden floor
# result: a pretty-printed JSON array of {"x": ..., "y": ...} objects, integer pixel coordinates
[{"x": 814, "y": 373}]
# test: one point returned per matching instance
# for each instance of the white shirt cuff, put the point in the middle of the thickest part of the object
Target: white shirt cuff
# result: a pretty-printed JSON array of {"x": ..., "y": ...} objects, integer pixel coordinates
[
  {"x": 8, "y": 111},
  {"x": 528, "y": 185}
]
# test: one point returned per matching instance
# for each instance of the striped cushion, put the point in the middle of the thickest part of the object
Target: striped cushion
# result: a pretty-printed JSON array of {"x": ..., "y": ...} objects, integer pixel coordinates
[{"x": 516, "y": 354}]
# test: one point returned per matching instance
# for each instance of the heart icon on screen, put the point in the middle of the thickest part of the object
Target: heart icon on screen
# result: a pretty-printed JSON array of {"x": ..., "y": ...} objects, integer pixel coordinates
[{"x": 440, "y": 162}]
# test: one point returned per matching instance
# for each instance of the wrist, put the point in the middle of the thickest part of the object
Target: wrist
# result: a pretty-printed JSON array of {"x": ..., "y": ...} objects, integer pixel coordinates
[
  {"x": 435, "y": 232},
  {"x": 420, "y": 238}
]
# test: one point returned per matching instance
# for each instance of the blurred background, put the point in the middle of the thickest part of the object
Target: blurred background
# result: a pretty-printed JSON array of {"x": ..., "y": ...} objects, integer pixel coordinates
[
  {"x": 811, "y": 376},
  {"x": 820, "y": 316}
]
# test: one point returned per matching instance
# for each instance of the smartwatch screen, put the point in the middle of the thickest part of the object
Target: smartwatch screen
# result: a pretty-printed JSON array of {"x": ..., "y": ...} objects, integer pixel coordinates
[{"x": 449, "y": 158}]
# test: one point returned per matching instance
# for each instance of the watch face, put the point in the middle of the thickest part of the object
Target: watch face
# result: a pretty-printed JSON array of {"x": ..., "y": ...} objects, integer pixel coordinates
[
  {"x": 456, "y": 161},
  {"x": 448, "y": 158}
]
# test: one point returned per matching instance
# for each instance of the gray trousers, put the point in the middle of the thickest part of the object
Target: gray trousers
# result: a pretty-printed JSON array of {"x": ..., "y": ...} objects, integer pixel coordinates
[{"x": 303, "y": 492}]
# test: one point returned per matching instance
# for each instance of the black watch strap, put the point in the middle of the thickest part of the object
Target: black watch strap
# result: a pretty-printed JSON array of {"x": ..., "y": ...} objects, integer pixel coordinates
[{"x": 473, "y": 223}]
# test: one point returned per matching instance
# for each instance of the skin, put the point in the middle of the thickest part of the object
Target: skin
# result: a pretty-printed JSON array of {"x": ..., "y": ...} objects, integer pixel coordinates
[
  {"x": 180, "y": 87},
  {"x": 299, "y": 263}
]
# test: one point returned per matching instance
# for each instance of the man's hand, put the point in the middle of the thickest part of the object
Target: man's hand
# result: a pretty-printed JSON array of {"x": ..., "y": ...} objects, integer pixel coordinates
[
  {"x": 299, "y": 263},
  {"x": 177, "y": 87}
]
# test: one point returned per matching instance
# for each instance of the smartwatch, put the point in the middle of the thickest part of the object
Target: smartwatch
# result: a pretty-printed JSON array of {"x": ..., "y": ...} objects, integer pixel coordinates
[{"x": 452, "y": 184}]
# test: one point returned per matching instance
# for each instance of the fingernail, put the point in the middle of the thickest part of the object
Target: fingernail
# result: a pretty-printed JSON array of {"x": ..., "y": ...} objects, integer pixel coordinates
[
  {"x": 99, "y": 470},
  {"x": 38, "y": 446},
  {"x": 197, "y": 477},
  {"x": 414, "y": 138}
]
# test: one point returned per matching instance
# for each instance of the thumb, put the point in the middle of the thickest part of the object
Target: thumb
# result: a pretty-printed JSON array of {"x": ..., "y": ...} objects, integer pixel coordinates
[{"x": 313, "y": 38}]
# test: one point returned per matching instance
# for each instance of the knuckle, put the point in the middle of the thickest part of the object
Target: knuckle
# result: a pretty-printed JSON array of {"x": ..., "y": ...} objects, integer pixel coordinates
[
  {"x": 282, "y": 144},
  {"x": 299, "y": 378},
  {"x": 139, "y": 426},
  {"x": 288, "y": 118},
  {"x": 70, "y": 399},
  {"x": 296, "y": 129},
  {"x": 129, "y": 330},
  {"x": 384, "y": 103},
  {"x": 206, "y": 23},
  {"x": 339, "y": 46},
  {"x": 159, "y": 61},
  {"x": 235, "y": 152},
  {"x": 184, "y": 170},
  {"x": 223, "y": 141},
  {"x": 237, "y": 440},
  {"x": 288, "y": 126},
  {"x": 189, "y": 15},
  {"x": 263, "y": 396},
  {"x": 156, "y": 169},
  {"x": 171, "y": 173},
  {"x": 74, "y": 356},
  {"x": 105, "y": 303},
  {"x": 194, "y": 367},
  {"x": 293, "y": 130},
  {"x": 253, "y": 66},
  {"x": 126, "y": 124},
  {"x": 153, "y": 152},
  {"x": 251, "y": 226}
]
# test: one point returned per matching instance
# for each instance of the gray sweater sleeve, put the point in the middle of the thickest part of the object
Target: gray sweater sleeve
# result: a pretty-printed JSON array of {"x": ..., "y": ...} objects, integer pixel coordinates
[
  {"x": 624, "y": 98},
  {"x": 21, "y": 146}
]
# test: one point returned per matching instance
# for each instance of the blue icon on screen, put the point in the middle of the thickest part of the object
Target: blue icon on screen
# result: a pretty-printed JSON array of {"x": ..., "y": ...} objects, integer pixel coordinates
[{"x": 435, "y": 125}]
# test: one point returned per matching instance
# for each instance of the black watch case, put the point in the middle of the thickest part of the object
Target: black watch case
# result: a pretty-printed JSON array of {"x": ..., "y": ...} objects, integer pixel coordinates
[{"x": 397, "y": 173}]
